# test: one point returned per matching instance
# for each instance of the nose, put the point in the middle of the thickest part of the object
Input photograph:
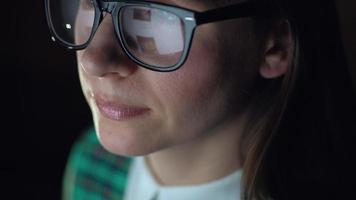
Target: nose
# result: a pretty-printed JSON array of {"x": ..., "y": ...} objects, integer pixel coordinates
[{"x": 104, "y": 55}]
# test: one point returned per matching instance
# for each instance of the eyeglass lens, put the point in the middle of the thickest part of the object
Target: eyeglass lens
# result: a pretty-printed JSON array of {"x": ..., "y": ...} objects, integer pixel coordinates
[
  {"x": 72, "y": 20},
  {"x": 152, "y": 36}
]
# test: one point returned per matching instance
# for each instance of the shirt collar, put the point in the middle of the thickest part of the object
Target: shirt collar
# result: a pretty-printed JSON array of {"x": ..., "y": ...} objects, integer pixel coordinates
[{"x": 143, "y": 186}]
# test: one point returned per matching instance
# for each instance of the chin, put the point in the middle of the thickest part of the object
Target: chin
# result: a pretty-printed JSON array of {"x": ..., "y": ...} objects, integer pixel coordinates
[
  {"x": 125, "y": 138},
  {"x": 125, "y": 141},
  {"x": 123, "y": 146}
]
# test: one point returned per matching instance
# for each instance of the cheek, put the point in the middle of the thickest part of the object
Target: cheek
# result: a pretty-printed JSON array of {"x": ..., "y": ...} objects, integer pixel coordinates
[
  {"x": 190, "y": 97},
  {"x": 198, "y": 78},
  {"x": 84, "y": 81},
  {"x": 208, "y": 90}
]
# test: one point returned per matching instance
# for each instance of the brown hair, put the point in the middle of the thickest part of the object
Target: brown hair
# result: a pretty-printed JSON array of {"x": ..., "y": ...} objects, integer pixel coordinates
[
  {"x": 294, "y": 120},
  {"x": 267, "y": 107}
]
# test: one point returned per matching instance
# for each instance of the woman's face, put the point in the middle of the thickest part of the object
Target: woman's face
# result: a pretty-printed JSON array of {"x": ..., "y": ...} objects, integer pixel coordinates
[{"x": 137, "y": 111}]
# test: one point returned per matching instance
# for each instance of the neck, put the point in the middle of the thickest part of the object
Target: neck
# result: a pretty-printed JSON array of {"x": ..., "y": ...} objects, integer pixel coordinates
[{"x": 204, "y": 159}]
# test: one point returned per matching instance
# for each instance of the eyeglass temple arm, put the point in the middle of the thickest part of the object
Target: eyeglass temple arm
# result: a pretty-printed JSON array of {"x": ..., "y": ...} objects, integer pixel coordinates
[{"x": 244, "y": 9}]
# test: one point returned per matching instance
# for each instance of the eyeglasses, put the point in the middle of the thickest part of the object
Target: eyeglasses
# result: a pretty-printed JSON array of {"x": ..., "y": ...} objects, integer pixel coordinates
[{"x": 155, "y": 36}]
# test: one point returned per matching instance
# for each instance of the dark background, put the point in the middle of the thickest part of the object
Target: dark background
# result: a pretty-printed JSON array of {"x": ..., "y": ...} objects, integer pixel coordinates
[{"x": 42, "y": 107}]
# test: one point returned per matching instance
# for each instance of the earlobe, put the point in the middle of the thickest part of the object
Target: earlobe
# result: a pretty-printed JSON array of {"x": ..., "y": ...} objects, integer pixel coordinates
[{"x": 278, "y": 52}]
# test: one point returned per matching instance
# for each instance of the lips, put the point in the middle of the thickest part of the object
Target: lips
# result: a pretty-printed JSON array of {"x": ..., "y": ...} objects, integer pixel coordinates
[{"x": 118, "y": 111}]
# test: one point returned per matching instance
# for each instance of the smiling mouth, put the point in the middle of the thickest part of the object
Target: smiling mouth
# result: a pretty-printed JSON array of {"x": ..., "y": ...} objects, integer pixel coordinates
[{"x": 118, "y": 111}]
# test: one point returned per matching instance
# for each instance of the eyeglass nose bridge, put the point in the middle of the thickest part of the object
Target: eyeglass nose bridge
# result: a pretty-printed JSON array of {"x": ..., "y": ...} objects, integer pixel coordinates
[{"x": 107, "y": 6}]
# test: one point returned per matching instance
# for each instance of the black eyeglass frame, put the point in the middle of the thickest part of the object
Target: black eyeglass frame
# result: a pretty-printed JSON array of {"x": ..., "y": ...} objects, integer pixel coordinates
[{"x": 190, "y": 18}]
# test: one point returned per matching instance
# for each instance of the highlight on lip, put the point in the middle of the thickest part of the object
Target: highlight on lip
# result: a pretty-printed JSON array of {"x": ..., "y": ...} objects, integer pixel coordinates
[{"x": 117, "y": 111}]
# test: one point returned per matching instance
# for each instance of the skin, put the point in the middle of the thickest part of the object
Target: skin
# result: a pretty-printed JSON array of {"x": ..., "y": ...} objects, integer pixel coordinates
[{"x": 196, "y": 114}]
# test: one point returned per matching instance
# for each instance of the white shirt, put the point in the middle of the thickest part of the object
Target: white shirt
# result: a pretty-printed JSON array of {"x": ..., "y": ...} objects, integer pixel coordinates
[{"x": 143, "y": 186}]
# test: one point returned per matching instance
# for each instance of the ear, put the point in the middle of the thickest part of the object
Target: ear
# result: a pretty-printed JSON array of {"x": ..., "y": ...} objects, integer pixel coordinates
[{"x": 278, "y": 52}]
